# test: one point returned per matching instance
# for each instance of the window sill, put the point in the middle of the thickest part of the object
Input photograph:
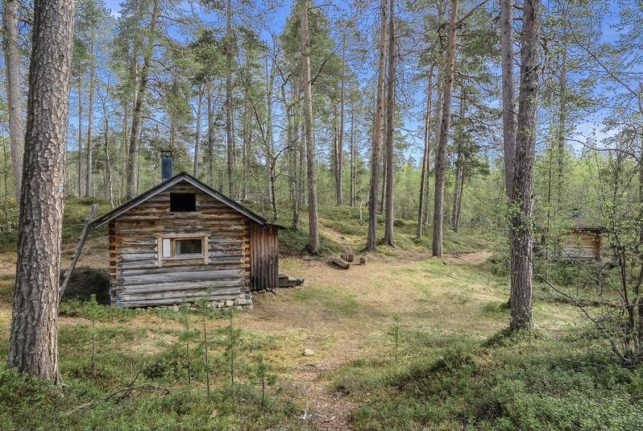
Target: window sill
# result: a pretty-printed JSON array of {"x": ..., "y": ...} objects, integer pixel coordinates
[{"x": 184, "y": 257}]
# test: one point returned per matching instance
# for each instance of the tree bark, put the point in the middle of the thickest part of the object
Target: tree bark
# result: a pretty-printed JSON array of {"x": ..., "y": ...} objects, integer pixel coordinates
[
  {"x": 389, "y": 235},
  {"x": 441, "y": 160},
  {"x": 460, "y": 165},
  {"x": 228, "y": 98},
  {"x": 210, "y": 148},
  {"x": 376, "y": 156},
  {"x": 197, "y": 140},
  {"x": 108, "y": 161},
  {"x": 562, "y": 120},
  {"x": 80, "y": 135},
  {"x": 137, "y": 113},
  {"x": 292, "y": 156},
  {"x": 426, "y": 158},
  {"x": 90, "y": 119},
  {"x": 340, "y": 139},
  {"x": 353, "y": 182},
  {"x": 521, "y": 212},
  {"x": 33, "y": 345},
  {"x": 304, "y": 45},
  {"x": 14, "y": 101},
  {"x": 508, "y": 92}
]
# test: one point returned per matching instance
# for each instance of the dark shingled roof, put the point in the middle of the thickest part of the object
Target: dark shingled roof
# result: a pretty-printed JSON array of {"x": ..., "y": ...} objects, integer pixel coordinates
[{"x": 182, "y": 177}]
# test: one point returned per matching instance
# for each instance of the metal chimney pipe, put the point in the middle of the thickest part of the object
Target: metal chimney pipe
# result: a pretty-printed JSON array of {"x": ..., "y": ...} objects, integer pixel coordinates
[{"x": 166, "y": 165}]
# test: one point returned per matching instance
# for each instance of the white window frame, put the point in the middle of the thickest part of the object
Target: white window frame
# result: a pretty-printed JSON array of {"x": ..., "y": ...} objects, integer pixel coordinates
[{"x": 165, "y": 241}]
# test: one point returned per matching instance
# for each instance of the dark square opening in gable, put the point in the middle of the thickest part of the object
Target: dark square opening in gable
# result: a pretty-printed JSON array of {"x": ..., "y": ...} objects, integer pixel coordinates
[{"x": 182, "y": 202}]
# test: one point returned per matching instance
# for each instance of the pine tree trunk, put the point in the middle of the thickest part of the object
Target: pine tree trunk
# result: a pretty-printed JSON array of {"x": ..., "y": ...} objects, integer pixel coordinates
[
  {"x": 426, "y": 158},
  {"x": 137, "y": 113},
  {"x": 33, "y": 345},
  {"x": 459, "y": 165},
  {"x": 246, "y": 145},
  {"x": 562, "y": 117},
  {"x": 521, "y": 223},
  {"x": 210, "y": 149},
  {"x": 376, "y": 155},
  {"x": 335, "y": 157},
  {"x": 508, "y": 92},
  {"x": 11, "y": 52},
  {"x": 352, "y": 161},
  {"x": 89, "y": 180},
  {"x": 304, "y": 44},
  {"x": 197, "y": 139},
  {"x": 441, "y": 158},
  {"x": 228, "y": 98},
  {"x": 108, "y": 162},
  {"x": 389, "y": 236},
  {"x": 124, "y": 149},
  {"x": 291, "y": 130}
]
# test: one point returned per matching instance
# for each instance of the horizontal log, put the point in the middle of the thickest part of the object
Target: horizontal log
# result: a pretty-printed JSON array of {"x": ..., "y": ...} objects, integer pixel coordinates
[
  {"x": 184, "y": 286},
  {"x": 339, "y": 263},
  {"x": 170, "y": 290},
  {"x": 180, "y": 276},
  {"x": 136, "y": 257}
]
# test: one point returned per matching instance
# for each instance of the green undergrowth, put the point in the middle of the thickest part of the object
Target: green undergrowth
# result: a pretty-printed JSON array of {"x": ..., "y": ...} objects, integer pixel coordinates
[
  {"x": 76, "y": 211},
  {"x": 352, "y": 230},
  {"x": 512, "y": 381},
  {"x": 152, "y": 376}
]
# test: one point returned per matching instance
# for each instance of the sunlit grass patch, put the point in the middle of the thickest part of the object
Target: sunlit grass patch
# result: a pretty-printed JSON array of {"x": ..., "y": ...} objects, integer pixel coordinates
[{"x": 334, "y": 300}]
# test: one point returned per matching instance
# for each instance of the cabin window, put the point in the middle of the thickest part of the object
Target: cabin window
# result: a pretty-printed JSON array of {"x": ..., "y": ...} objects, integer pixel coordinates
[
  {"x": 182, "y": 247},
  {"x": 182, "y": 202}
]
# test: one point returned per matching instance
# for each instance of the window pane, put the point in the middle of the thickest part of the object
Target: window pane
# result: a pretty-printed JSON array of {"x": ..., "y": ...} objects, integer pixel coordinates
[
  {"x": 167, "y": 247},
  {"x": 188, "y": 246}
]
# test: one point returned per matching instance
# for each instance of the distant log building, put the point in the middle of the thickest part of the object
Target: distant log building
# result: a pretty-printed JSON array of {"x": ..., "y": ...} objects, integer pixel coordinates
[
  {"x": 182, "y": 241},
  {"x": 584, "y": 240}
]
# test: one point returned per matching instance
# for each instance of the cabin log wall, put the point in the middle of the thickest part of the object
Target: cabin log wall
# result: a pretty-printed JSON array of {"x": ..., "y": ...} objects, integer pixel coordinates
[
  {"x": 264, "y": 249},
  {"x": 582, "y": 245},
  {"x": 137, "y": 278}
]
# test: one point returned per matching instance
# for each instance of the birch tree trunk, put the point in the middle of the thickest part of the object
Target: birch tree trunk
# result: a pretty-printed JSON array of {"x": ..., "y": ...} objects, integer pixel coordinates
[
  {"x": 304, "y": 45},
  {"x": 508, "y": 92},
  {"x": 340, "y": 135},
  {"x": 521, "y": 212},
  {"x": 33, "y": 345},
  {"x": 14, "y": 102},
  {"x": 376, "y": 154},
  {"x": 389, "y": 236},
  {"x": 441, "y": 158},
  {"x": 137, "y": 113},
  {"x": 80, "y": 135}
]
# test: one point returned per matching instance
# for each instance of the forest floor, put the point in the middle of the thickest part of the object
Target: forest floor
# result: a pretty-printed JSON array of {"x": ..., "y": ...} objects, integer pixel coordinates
[{"x": 347, "y": 350}]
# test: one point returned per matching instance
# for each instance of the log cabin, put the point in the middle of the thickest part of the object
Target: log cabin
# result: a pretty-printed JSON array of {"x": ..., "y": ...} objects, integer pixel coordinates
[
  {"x": 584, "y": 240},
  {"x": 183, "y": 241}
]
